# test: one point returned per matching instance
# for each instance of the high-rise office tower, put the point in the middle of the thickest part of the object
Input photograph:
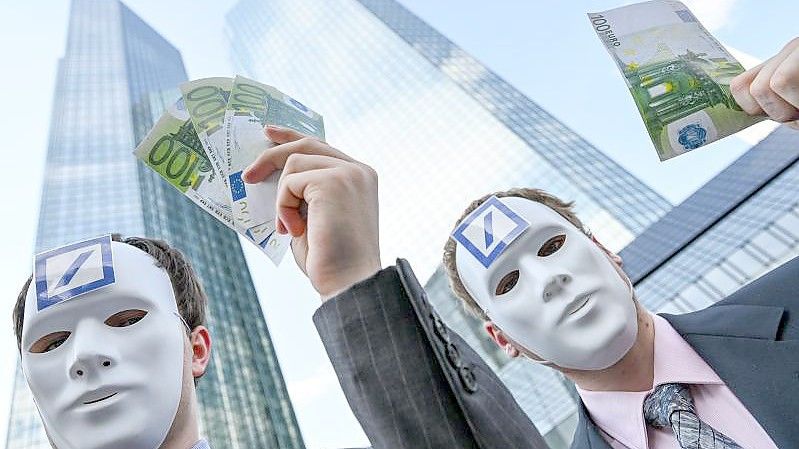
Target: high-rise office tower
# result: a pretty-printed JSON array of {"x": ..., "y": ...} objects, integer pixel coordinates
[
  {"x": 441, "y": 129},
  {"x": 438, "y": 126},
  {"x": 739, "y": 225},
  {"x": 113, "y": 81}
]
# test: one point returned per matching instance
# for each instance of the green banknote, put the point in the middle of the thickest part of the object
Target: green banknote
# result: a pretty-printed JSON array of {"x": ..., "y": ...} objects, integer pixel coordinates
[
  {"x": 678, "y": 73},
  {"x": 173, "y": 150},
  {"x": 252, "y": 106},
  {"x": 206, "y": 100}
]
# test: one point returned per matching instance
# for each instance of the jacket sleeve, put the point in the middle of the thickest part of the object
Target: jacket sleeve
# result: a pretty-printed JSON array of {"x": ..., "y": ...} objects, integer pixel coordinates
[{"x": 412, "y": 382}]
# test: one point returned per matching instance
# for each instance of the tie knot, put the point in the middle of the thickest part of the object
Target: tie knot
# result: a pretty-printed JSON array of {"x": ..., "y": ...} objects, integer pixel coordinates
[{"x": 663, "y": 401}]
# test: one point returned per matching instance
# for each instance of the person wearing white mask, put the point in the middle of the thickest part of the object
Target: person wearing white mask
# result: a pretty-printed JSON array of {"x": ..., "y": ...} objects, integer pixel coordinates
[
  {"x": 113, "y": 341},
  {"x": 547, "y": 290}
]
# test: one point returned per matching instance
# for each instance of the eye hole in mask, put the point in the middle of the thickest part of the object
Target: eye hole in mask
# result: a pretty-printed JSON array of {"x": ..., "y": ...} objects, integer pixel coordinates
[
  {"x": 125, "y": 318},
  {"x": 549, "y": 247},
  {"x": 552, "y": 245},
  {"x": 49, "y": 342},
  {"x": 507, "y": 283}
]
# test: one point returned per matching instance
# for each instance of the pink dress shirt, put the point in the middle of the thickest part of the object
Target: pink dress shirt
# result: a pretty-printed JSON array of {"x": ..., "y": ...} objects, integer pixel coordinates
[{"x": 619, "y": 414}]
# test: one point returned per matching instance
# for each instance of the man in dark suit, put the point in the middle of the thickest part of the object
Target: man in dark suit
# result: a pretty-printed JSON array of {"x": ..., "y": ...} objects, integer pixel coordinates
[
  {"x": 556, "y": 296},
  {"x": 413, "y": 383}
]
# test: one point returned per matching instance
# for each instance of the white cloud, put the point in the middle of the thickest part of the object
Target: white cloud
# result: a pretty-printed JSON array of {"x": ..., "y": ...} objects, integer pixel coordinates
[
  {"x": 758, "y": 132},
  {"x": 747, "y": 60}
]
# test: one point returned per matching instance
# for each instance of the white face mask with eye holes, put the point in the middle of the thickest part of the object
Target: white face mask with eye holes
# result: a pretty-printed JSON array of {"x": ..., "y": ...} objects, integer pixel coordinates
[
  {"x": 105, "y": 365},
  {"x": 554, "y": 291}
]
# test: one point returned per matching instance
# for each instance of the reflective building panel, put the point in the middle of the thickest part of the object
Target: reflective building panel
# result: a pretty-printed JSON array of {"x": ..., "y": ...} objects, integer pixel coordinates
[{"x": 113, "y": 82}]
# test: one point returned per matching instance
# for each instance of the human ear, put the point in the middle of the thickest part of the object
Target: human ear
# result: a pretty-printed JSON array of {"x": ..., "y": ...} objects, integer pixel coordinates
[
  {"x": 200, "y": 340},
  {"x": 500, "y": 339}
]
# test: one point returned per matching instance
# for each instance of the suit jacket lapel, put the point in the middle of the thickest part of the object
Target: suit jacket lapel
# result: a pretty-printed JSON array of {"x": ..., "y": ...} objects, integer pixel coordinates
[
  {"x": 587, "y": 435},
  {"x": 740, "y": 343}
]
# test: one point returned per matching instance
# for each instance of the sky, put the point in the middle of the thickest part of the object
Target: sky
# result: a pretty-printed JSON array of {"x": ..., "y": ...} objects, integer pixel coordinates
[{"x": 547, "y": 50}]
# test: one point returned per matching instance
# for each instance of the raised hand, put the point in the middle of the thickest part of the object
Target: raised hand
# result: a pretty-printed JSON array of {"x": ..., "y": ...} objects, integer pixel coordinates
[
  {"x": 335, "y": 240},
  {"x": 772, "y": 88}
]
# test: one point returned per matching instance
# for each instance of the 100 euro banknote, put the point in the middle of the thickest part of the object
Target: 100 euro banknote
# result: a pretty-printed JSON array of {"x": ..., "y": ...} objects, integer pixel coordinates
[
  {"x": 678, "y": 73},
  {"x": 205, "y": 101},
  {"x": 252, "y": 106},
  {"x": 173, "y": 150}
]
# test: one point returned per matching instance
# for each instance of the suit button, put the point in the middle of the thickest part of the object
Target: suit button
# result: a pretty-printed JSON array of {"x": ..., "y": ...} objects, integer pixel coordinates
[
  {"x": 467, "y": 379},
  {"x": 453, "y": 355},
  {"x": 439, "y": 327}
]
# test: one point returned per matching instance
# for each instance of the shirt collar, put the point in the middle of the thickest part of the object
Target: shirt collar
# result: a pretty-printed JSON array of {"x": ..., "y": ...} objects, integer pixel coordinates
[
  {"x": 620, "y": 413},
  {"x": 202, "y": 444}
]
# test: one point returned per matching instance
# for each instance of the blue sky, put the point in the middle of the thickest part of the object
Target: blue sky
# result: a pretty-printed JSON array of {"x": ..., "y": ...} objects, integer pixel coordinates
[{"x": 548, "y": 50}]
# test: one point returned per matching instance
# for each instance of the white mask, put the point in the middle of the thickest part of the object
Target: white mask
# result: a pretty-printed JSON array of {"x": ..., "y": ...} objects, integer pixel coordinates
[
  {"x": 114, "y": 385},
  {"x": 568, "y": 303}
]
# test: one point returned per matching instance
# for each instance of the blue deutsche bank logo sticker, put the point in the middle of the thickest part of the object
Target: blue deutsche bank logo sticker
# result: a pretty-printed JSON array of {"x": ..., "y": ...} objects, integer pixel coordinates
[
  {"x": 489, "y": 229},
  {"x": 73, "y": 270}
]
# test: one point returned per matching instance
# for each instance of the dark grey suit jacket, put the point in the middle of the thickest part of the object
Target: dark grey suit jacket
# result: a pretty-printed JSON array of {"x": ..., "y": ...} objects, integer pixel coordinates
[
  {"x": 751, "y": 340},
  {"x": 410, "y": 381}
]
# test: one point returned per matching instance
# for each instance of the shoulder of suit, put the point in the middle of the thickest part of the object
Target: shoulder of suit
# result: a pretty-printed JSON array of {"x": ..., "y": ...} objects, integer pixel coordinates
[{"x": 779, "y": 287}]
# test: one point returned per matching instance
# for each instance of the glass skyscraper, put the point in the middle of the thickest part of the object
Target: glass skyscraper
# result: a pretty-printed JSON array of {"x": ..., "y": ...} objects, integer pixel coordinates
[
  {"x": 439, "y": 127},
  {"x": 114, "y": 80},
  {"x": 441, "y": 130},
  {"x": 741, "y": 224}
]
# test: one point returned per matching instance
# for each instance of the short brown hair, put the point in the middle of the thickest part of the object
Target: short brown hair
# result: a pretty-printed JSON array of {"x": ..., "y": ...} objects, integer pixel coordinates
[
  {"x": 565, "y": 209},
  {"x": 189, "y": 293}
]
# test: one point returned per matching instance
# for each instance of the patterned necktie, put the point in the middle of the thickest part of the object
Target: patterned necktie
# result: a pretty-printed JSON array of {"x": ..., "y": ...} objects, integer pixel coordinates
[{"x": 671, "y": 405}]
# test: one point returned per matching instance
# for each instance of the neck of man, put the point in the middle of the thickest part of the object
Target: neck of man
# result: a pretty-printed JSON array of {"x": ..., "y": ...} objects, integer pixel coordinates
[
  {"x": 634, "y": 372},
  {"x": 182, "y": 435},
  {"x": 185, "y": 431}
]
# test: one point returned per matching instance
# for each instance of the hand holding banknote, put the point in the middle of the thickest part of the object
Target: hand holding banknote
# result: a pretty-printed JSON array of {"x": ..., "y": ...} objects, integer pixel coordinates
[
  {"x": 203, "y": 141},
  {"x": 772, "y": 88},
  {"x": 335, "y": 241},
  {"x": 678, "y": 74}
]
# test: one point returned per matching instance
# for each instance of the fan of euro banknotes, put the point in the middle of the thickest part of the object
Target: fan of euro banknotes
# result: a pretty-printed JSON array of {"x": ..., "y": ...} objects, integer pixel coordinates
[
  {"x": 204, "y": 141},
  {"x": 678, "y": 73}
]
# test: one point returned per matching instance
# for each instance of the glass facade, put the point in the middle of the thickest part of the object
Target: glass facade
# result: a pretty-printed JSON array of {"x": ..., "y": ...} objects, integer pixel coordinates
[
  {"x": 741, "y": 224},
  {"x": 441, "y": 130},
  {"x": 113, "y": 82}
]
